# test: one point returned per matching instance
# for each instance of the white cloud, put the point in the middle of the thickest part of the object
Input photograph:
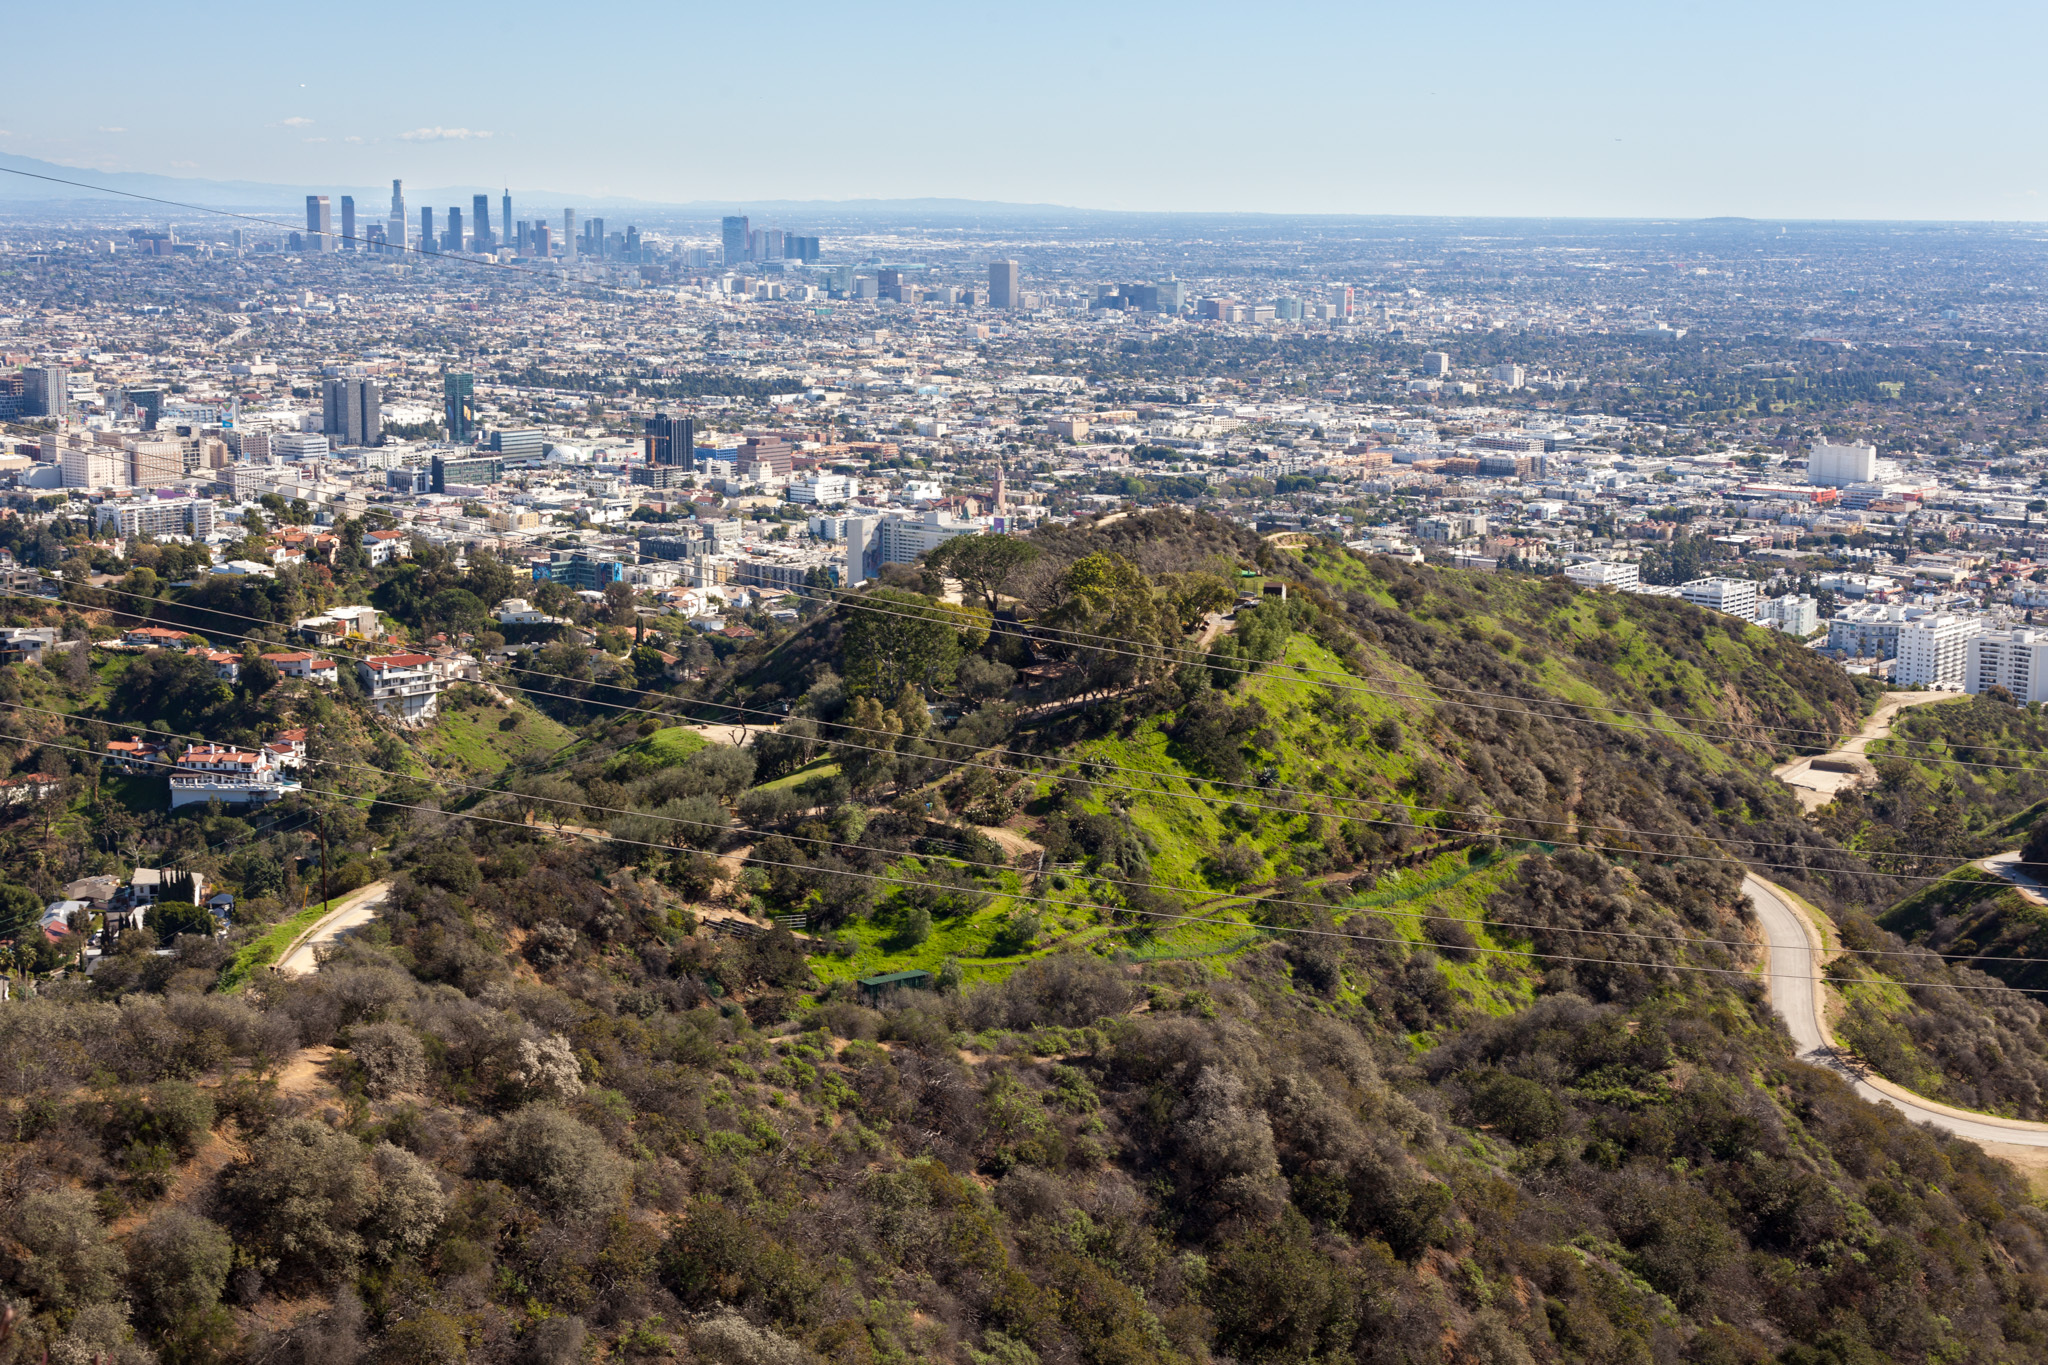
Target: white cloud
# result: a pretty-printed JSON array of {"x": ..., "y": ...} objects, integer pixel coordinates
[
  {"x": 351, "y": 139},
  {"x": 442, "y": 135},
  {"x": 298, "y": 121},
  {"x": 113, "y": 130},
  {"x": 312, "y": 139}
]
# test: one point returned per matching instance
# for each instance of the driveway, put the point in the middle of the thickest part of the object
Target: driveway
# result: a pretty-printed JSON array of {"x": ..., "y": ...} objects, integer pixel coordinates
[{"x": 301, "y": 955}]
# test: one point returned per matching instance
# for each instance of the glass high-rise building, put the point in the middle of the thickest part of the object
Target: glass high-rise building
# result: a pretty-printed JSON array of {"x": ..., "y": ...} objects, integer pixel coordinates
[
  {"x": 670, "y": 440},
  {"x": 1003, "y": 279},
  {"x": 505, "y": 217},
  {"x": 458, "y": 402},
  {"x": 394, "y": 233},
  {"x": 480, "y": 225},
  {"x": 733, "y": 234},
  {"x": 452, "y": 239},
  {"x": 348, "y": 222},
  {"x": 568, "y": 234},
  {"x": 319, "y": 223},
  {"x": 427, "y": 242}
]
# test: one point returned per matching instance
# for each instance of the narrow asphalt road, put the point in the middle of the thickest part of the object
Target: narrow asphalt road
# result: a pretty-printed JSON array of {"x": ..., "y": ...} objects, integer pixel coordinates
[
  {"x": 358, "y": 908},
  {"x": 1792, "y": 977}
]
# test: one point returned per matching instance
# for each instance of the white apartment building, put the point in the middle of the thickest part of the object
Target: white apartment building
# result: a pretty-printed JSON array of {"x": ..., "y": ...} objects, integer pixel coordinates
[
  {"x": 405, "y": 686},
  {"x": 1933, "y": 651},
  {"x": 1833, "y": 466},
  {"x": 2016, "y": 660},
  {"x": 1732, "y": 596},
  {"x": 1797, "y": 616},
  {"x": 826, "y": 490},
  {"x": 94, "y": 466},
  {"x": 872, "y": 542},
  {"x": 1601, "y": 573}
]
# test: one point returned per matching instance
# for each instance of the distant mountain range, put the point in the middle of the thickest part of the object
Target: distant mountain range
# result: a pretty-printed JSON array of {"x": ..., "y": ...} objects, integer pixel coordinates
[{"x": 48, "y": 182}]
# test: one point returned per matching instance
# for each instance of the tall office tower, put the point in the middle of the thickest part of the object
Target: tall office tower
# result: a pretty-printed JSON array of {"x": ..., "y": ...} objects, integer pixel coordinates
[
  {"x": 45, "y": 391},
  {"x": 505, "y": 217},
  {"x": 670, "y": 440},
  {"x": 1345, "y": 298},
  {"x": 458, "y": 405},
  {"x": 348, "y": 222},
  {"x": 319, "y": 223},
  {"x": 771, "y": 244},
  {"x": 633, "y": 243},
  {"x": 543, "y": 243},
  {"x": 238, "y": 241},
  {"x": 1003, "y": 279},
  {"x": 352, "y": 412},
  {"x": 569, "y": 235},
  {"x": 734, "y": 235},
  {"x": 451, "y": 240},
  {"x": 395, "y": 234},
  {"x": 594, "y": 231},
  {"x": 480, "y": 225},
  {"x": 800, "y": 248},
  {"x": 427, "y": 242}
]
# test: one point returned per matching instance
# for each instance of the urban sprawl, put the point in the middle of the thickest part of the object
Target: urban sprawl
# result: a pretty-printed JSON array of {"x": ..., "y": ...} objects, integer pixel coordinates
[{"x": 1813, "y": 429}]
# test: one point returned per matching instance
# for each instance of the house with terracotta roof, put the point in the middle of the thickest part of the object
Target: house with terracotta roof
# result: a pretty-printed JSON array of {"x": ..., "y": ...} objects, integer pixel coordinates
[
  {"x": 226, "y": 666},
  {"x": 235, "y": 777},
  {"x": 302, "y": 664},
  {"x": 384, "y": 546},
  {"x": 134, "y": 755}
]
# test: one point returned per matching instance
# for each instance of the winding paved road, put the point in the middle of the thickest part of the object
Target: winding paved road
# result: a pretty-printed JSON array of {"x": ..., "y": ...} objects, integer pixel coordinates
[{"x": 1792, "y": 978}]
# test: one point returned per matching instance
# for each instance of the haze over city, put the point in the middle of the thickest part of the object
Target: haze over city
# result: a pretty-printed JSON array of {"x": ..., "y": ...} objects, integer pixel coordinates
[{"x": 1822, "y": 110}]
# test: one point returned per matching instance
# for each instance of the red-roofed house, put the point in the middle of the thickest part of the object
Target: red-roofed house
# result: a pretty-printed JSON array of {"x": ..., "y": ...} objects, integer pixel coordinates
[
  {"x": 300, "y": 664},
  {"x": 226, "y": 666},
  {"x": 385, "y": 546}
]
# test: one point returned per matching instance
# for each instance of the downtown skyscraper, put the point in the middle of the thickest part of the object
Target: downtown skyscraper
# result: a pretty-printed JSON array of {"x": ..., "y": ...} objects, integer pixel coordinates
[{"x": 395, "y": 226}]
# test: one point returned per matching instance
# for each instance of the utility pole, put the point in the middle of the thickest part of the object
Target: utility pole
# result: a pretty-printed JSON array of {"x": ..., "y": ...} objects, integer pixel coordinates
[{"x": 325, "y": 898}]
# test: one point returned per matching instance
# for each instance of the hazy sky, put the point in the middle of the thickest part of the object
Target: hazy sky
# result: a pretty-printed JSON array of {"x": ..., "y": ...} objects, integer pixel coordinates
[{"x": 1785, "y": 109}]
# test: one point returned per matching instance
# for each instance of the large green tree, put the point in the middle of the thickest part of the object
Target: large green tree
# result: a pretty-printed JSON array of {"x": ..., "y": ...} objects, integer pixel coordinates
[
  {"x": 1107, "y": 617},
  {"x": 894, "y": 637},
  {"x": 983, "y": 564}
]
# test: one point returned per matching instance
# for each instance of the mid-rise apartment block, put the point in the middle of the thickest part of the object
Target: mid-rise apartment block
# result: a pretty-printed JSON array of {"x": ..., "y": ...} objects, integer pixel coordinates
[
  {"x": 1933, "y": 651},
  {"x": 1732, "y": 596},
  {"x": 1601, "y": 573},
  {"x": 2016, "y": 660},
  {"x": 1794, "y": 614}
]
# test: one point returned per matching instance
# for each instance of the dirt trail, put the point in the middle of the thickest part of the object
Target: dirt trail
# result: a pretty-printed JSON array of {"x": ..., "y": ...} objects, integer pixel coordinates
[{"x": 1819, "y": 779}]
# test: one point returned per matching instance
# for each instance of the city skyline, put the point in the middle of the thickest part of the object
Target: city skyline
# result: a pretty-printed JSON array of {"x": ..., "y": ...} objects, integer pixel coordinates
[{"x": 1595, "y": 113}]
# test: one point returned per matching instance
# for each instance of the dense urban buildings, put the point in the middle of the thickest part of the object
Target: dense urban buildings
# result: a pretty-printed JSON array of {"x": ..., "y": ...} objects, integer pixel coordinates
[{"x": 832, "y": 401}]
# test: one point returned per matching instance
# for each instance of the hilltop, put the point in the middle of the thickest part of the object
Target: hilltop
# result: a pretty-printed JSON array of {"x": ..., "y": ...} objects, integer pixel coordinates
[{"x": 1329, "y": 959}]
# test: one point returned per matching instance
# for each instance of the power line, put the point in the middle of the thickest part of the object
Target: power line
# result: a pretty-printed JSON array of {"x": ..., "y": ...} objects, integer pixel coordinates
[
  {"x": 1113, "y": 881},
  {"x": 1801, "y": 868},
  {"x": 778, "y": 717},
  {"x": 1525, "y": 706},
  {"x": 1175, "y": 916}
]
